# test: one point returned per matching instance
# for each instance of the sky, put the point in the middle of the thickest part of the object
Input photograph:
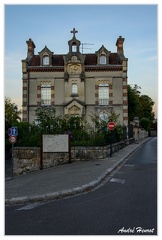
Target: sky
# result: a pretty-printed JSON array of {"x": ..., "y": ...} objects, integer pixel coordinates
[{"x": 97, "y": 24}]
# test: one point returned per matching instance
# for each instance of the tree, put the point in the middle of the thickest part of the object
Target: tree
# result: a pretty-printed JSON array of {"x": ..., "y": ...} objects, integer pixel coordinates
[
  {"x": 145, "y": 123},
  {"x": 47, "y": 120},
  {"x": 11, "y": 115},
  {"x": 139, "y": 105},
  {"x": 29, "y": 134},
  {"x": 147, "y": 106},
  {"x": 134, "y": 105},
  {"x": 11, "y": 118},
  {"x": 50, "y": 123}
]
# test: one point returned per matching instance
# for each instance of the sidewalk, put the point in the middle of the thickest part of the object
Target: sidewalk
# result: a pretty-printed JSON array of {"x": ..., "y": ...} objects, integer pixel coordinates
[{"x": 64, "y": 180}]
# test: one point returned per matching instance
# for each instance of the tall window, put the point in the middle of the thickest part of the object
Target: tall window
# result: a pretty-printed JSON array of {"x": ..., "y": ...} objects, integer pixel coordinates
[
  {"x": 74, "y": 48},
  {"x": 45, "y": 60},
  {"x": 74, "y": 89},
  {"x": 102, "y": 59},
  {"x": 46, "y": 95},
  {"x": 103, "y": 94}
]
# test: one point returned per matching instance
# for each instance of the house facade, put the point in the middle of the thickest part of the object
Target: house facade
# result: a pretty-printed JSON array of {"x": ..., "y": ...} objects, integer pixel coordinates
[{"x": 75, "y": 83}]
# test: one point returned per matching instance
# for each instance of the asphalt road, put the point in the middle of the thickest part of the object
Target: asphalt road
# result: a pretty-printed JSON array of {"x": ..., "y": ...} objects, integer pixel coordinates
[{"x": 125, "y": 204}]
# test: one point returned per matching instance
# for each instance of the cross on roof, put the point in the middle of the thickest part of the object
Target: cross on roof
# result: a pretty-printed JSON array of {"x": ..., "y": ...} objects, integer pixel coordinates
[{"x": 74, "y": 31}]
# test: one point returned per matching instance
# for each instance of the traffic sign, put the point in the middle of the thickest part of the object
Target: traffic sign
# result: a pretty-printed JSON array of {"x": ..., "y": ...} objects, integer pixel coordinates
[
  {"x": 9, "y": 132},
  {"x": 13, "y": 131},
  {"x": 111, "y": 126},
  {"x": 12, "y": 139}
]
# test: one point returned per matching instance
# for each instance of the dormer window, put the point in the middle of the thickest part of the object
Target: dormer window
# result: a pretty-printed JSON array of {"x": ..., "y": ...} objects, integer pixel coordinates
[
  {"x": 102, "y": 59},
  {"x": 45, "y": 57},
  {"x": 103, "y": 55},
  {"x": 45, "y": 60}
]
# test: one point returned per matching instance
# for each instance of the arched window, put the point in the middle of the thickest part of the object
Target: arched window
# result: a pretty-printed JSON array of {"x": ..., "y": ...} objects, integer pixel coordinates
[
  {"x": 74, "y": 89},
  {"x": 102, "y": 59},
  {"x": 45, "y": 60}
]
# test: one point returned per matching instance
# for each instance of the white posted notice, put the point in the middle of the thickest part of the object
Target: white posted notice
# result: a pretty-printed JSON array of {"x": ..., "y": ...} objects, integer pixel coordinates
[{"x": 55, "y": 143}]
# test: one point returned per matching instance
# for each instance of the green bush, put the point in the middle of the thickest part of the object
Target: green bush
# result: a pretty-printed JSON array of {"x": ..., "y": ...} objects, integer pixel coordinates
[{"x": 82, "y": 134}]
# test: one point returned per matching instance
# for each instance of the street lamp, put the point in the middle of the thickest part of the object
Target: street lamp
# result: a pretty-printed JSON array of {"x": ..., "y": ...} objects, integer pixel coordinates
[{"x": 15, "y": 108}]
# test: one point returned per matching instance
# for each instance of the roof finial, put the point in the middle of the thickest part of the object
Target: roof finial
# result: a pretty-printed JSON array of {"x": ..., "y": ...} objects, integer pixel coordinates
[{"x": 74, "y": 31}]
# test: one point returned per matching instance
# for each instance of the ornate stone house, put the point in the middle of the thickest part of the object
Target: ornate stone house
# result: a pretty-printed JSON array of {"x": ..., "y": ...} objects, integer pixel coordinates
[{"x": 75, "y": 83}]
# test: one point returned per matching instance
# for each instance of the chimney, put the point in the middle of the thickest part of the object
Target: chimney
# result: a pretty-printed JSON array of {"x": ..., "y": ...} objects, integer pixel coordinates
[
  {"x": 119, "y": 44},
  {"x": 31, "y": 47}
]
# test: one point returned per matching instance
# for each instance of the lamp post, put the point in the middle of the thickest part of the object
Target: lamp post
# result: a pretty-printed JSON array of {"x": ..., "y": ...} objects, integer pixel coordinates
[
  {"x": 12, "y": 161},
  {"x": 15, "y": 109}
]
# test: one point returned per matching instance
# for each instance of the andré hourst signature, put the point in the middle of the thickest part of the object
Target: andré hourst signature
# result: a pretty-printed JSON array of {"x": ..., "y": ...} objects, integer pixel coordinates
[{"x": 136, "y": 230}]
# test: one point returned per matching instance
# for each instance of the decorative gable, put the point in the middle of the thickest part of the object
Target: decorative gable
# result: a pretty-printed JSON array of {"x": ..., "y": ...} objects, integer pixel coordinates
[
  {"x": 74, "y": 107},
  {"x": 103, "y": 55},
  {"x": 45, "y": 57}
]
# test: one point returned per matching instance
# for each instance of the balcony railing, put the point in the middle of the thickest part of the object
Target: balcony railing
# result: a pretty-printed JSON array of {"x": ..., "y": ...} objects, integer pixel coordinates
[
  {"x": 45, "y": 102},
  {"x": 103, "y": 101}
]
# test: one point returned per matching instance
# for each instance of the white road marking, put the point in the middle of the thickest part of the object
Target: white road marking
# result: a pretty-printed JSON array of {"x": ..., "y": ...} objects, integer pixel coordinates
[
  {"x": 30, "y": 206},
  {"x": 129, "y": 165},
  {"x": 120, "y": 172},
  {"x": 117, "y": 180}
]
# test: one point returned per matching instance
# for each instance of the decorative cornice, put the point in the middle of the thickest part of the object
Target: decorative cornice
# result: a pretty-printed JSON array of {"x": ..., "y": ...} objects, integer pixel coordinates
[
  {"x": 102, "y": 68},
  {"x": 45, "y": 69}
]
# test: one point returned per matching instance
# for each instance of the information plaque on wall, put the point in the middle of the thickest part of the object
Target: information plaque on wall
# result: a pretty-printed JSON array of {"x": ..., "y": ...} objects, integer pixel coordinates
[{"x": 55, "y": 143}]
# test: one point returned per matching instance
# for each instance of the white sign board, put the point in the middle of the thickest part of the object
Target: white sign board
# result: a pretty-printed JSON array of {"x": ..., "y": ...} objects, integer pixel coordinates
[{"x": 55, "y": 143}]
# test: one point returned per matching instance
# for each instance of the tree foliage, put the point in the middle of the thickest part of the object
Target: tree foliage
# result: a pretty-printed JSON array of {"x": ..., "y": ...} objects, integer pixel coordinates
[
  {"x": 139, "y": 105},
  {"x": 81, "y": 132},
  {"x": 134, "y": 105},
  {"x": 145, "y": 123},
  {"x": 11, "y": 115},
  {"x": 49, "y": 122},
  {"x": 102, "y": 131},
  {"x": 147, "y": 106}
]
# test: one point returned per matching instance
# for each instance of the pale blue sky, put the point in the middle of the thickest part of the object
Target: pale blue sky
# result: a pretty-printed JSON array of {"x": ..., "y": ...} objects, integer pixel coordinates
[{"x": 96, "y": 24}]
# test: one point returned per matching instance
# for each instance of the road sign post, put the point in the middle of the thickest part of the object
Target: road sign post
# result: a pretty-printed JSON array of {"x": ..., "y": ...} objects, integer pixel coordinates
[
  {"x": 111, "y": 144},
  {"x": 12, "y": 133},
  {"x": 111, "y": 127}
]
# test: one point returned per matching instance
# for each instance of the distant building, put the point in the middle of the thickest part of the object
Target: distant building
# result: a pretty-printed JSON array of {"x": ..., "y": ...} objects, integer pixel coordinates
[{"x": 75, "y": 83}]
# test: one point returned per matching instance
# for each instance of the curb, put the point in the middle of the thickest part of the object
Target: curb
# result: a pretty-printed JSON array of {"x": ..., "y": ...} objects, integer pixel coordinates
[{"x": 73, "y": 191}]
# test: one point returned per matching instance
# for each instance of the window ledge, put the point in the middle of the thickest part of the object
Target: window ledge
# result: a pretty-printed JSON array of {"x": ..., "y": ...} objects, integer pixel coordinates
[{"x": 74, "y": 95}]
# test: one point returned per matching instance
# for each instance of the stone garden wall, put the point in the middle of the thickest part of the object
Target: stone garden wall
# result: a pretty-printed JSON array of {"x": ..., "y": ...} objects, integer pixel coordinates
[{"x": 27, "y": 159}]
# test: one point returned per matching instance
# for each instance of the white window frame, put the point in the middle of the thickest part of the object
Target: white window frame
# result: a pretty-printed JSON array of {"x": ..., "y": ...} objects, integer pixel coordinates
[
  {"x": 103, "y": 94},
  {"x": 74, "y": 88},
  {"x": 45, "y": 60},
  {"x": 102, "y": 59},
  {"x": 45, "y": 95}
]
